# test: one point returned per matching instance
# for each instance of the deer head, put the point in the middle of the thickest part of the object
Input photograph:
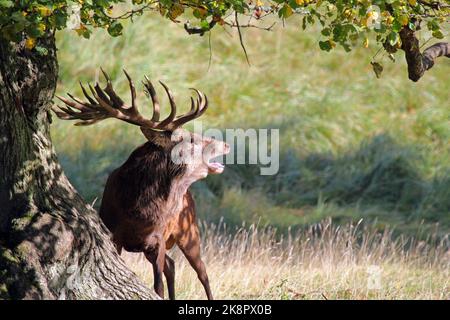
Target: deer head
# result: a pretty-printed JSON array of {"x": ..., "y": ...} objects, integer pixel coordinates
[{"x": 192, "y": 152}]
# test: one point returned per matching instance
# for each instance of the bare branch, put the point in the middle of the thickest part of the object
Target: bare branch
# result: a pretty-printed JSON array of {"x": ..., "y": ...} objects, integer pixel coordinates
[
  {"x": 249, "y": 25},
  {"x": 132, "y": 13},
  {"x": 240, "y": 37}
]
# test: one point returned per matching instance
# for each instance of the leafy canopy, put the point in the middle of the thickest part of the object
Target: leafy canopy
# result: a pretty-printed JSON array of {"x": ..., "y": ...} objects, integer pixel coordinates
[{"x": 346, "y": 23}]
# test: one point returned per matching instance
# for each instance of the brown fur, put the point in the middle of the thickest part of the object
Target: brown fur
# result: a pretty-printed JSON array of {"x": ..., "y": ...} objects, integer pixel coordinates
[
  {"x": 146, "y": 203},
  {"x": 183, "y": 231},
  {"x": 148, "y": 208}
]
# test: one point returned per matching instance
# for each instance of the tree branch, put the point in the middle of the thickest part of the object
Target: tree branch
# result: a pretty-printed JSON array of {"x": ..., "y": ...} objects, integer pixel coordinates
[
  {"x": 419, "y": 62},
  {"x": 241, "y": 40},
  {"x": 249, "y": 25},
  {"x": 434, "y": 4},
  {"x": 131, "y": 13},
  {"x": 198, "y": 30}
]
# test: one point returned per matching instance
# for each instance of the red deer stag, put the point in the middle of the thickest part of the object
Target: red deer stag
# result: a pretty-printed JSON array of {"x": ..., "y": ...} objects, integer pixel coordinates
[{"x": 146, "y": 202}]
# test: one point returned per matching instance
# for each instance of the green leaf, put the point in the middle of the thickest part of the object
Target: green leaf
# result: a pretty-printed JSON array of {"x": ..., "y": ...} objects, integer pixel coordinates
[
  {"x": 83, "y": 32},
  {"x": 396, "y": 26},
  {"x": 326, "y": 32},
  {"x": 382, "y": 29},
  {"x": 198, "y": 14},
  {"x": 293, "y": 4},
  {"x": 339, "y": 33},
  {"x": 115, "y": 29},
  {"x": 325, "y": 45},
  {"x": 204, "y": 25},
  {"x": 285, "y": 12},
  {"x": 433, "y": 25},
  {"x": 60, "y": 19},
  {"x": 304, "y": 23},
  {"x": 393, "y": 38},
  {"x": 438, "y": 34},
  {"x": 377, "y": 68}
]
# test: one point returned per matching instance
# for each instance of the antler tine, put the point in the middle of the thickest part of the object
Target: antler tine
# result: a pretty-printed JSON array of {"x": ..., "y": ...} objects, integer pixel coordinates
[
  {"x": 201, "y": 106},
  {"x": 133, "y": 92},
  {"x": 202, "y": 102},
  {"x": 86, "y": 111},
  {"x": 105, "y": 103},
  {"x": 102, "y": 94},
  {"x": 86, "y": 94},
  {"x": 205, "y": 106},
  {"x": 168, "y": 122},
  {"x": 73, "y": 98},
  {"x": 62, "y": 115},
  {"x": 69, "y": 114},
  {"x": 89, "y": 122},
  {"x": 75, "y": 104},
  {"x": 151, "y": 91},
  {"x": 190, "y": 115},
  {"x": 130, "y": 114},
  {"x": 193, "y": 110},
  {"x": 116, "y": 100}
]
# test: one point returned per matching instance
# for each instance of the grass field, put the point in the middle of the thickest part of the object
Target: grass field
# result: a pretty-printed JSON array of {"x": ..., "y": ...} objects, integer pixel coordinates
[
  {"x": 352, "y": 147},
  {"x": 323, "y": 262}
]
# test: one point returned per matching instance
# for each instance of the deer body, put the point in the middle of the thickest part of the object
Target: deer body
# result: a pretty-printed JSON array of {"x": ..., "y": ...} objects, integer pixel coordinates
[{"x": 146, "y": 203}]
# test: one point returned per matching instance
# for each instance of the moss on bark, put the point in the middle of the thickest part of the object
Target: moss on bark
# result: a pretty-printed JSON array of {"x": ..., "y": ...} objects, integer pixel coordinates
[{"x": 52, "y": 244}]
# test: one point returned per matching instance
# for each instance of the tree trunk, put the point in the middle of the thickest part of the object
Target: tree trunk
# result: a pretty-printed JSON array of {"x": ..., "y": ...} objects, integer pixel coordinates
[
  {"x": 52, "y": 244},
  {"x": 419, "y": 62}
]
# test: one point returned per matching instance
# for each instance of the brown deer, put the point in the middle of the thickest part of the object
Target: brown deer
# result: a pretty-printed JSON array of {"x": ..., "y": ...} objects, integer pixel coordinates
[{"x": 146, "y": 202}]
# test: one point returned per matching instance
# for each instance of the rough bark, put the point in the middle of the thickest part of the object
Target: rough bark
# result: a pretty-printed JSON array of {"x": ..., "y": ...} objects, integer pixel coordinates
[
  {"x": 419, "y": 62},
  {"x": 52, "y": 244}
]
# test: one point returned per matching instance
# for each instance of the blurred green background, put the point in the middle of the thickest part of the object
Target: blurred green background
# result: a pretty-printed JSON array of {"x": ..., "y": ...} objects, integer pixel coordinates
[{"x": 352, "y": 146}]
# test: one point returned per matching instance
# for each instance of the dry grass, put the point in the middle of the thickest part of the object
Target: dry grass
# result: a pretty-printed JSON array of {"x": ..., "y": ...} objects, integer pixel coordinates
[{"x": 324, "y": 261}]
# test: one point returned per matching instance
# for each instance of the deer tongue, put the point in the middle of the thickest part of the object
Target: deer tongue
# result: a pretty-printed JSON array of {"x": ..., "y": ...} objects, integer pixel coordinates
[{"x": 215, "y": 167}]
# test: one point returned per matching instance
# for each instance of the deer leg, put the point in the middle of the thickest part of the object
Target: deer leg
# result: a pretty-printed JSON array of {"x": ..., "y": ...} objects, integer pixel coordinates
[
  {"x": 156, "y": 254},
  {"x": 169, "y": 272},
  {"x": 189, "y": 244}
]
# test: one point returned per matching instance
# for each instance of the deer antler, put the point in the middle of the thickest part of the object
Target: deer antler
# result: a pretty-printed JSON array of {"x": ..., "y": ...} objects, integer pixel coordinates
[{"x": 105, "y": 103}]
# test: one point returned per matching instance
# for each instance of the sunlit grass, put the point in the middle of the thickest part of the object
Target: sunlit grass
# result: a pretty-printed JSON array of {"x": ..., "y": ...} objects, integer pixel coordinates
[{"x": 322, "y": 262}]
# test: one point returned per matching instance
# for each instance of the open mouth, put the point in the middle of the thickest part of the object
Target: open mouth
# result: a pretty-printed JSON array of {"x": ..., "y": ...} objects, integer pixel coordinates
[{"x": 215, "y": 167}]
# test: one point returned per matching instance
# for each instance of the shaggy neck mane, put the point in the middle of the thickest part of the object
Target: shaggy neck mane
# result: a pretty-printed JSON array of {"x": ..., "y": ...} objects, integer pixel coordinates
[{"x": 151, "y": 182}]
